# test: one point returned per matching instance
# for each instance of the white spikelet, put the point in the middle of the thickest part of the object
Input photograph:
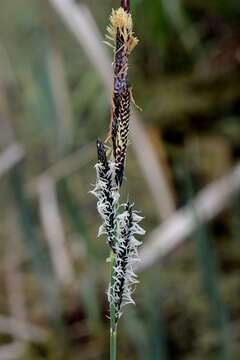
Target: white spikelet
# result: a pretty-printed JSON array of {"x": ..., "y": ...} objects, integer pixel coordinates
[
  {"x": 107, "y": 195},
  {"x": 121, "y": 290}
]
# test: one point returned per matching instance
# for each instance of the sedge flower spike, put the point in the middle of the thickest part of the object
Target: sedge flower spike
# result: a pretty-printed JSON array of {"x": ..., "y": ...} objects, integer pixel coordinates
[
  {"x": 120, "y": 221},
  {"x": 107, "y": 195},
  {"x": 121, "y": 228},
  {"x": 120, "y": 33},
  {"x": 120, "y": 292}
]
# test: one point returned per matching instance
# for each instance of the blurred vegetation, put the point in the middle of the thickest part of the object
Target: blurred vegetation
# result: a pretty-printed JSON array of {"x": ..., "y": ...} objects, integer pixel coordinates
[{"x": 185, "y": 75}]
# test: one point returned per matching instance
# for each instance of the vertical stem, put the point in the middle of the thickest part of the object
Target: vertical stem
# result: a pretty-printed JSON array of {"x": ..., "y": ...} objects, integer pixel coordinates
[
  {"x": 113, "y": 344},
  {"x": 113, "y": 320}
]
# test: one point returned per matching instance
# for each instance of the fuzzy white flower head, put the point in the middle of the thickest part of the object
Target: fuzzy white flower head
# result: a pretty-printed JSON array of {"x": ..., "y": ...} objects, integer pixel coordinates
[
  {"x": 121, "y": 21},
  {"x": 106, "y": 194},
  {"x": 121, "y": 290}
]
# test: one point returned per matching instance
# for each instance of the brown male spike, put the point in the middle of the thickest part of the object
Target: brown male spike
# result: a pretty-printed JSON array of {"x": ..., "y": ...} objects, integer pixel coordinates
[{"x": 121, "y": 33}]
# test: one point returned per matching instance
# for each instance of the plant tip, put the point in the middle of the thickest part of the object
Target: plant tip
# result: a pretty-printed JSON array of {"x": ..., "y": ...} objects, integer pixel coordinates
[{"x": 125, "y": 4}]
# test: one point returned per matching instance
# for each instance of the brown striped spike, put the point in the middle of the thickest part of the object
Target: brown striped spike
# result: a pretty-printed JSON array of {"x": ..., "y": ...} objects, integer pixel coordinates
[
  {"x": 120, "y": 32},
  {"x": 121, "y": 138}
]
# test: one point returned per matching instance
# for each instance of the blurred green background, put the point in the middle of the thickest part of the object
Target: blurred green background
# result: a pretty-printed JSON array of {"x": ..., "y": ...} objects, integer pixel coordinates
[{"x": 185, "y": 75}]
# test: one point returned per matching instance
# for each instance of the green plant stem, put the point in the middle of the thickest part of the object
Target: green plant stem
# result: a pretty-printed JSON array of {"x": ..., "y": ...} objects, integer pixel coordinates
[
  {"x": 113, "y": 321},
  {"x": 113, "y": 344}
]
